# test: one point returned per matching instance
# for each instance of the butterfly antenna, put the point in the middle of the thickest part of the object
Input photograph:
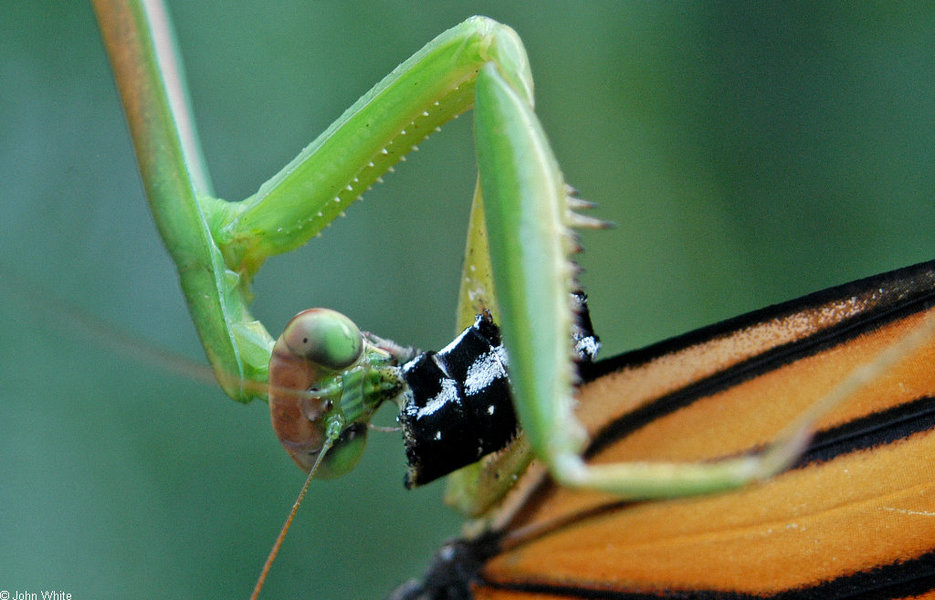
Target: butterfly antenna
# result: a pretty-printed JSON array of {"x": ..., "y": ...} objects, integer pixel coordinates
[{"x": 285, "y": 526}]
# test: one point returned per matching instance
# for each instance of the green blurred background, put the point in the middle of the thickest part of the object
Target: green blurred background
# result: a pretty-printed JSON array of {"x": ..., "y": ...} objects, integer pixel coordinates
[{"x": 750, "y": 153}]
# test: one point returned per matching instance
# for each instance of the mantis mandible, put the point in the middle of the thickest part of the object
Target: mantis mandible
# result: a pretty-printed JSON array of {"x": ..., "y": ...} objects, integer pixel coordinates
[{"x": 549, "y": 91}]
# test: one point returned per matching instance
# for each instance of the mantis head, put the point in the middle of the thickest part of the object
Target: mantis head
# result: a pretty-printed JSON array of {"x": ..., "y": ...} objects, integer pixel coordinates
[{"x": 325, "y": 383}]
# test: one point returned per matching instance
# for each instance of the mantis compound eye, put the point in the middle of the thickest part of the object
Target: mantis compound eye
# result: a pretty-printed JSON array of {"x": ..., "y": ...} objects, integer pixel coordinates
[
  {"x": 324, "y": 337},
  {"x": 345, "y": 454}
]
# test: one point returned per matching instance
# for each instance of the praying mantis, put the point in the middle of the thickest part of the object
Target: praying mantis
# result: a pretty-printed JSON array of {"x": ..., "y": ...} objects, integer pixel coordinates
[{"x": 180, "y": 402}]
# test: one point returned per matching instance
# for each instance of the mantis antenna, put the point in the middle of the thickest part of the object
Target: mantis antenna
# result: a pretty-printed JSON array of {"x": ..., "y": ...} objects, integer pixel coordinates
[{"x": 285, "y": 526}]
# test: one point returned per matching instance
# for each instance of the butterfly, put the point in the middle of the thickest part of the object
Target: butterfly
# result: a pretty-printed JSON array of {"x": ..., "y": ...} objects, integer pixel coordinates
[{"x": 853, "y": 517}]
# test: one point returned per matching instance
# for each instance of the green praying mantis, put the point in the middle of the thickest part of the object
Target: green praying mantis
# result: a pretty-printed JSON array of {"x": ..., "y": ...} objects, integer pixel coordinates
[{"x": 576, "y": 181}]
